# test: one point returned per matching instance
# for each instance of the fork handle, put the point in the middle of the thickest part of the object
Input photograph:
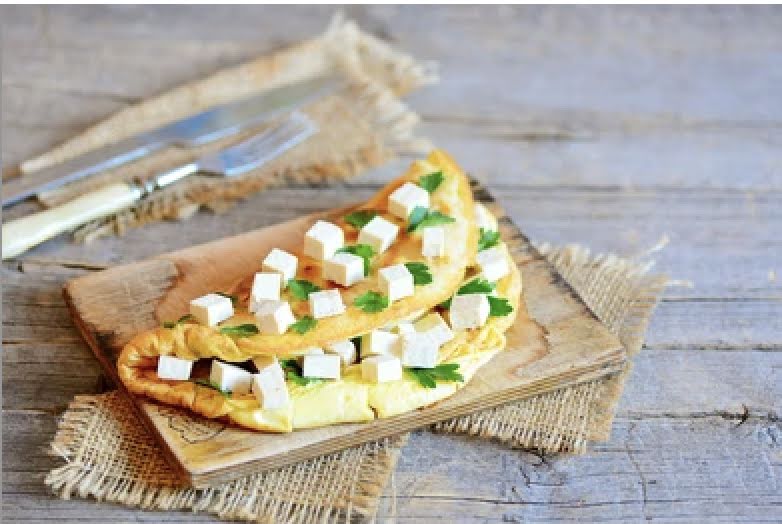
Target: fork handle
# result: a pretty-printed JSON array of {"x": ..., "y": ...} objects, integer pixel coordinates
[{"x": 23, "y": 233}]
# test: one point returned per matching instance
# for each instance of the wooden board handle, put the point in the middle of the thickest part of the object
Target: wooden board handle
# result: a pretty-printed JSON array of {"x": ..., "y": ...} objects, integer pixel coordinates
[{"x": 21, "y": 234}]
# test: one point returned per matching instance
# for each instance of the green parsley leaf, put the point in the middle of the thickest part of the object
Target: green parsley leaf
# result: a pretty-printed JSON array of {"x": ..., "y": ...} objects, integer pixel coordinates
[
  {"x": 476, "y": 285},
  {"x": 428, "y": 378},
  {"x": 304, "y": 324},
  {"x": 359, "y": 219},
  {"x": 431, "y": 181},
  {"x": 364, "y": 251},
  {"x": 293, "y": 373},
  {"x": 420, "y": 272},
  {"x": 301, "y": 289},
  {"x": 242, "y": 330},
  {"x": 209, "y": 384},
  {"x": 488, "y": 239},
  {"x": 234, "y": 298},
  {"x": 422, "y": 217},
  {"x": 499, "y": 307},
  {"x": 182, "y": 319},
  {"x": 371, "y": 302}
]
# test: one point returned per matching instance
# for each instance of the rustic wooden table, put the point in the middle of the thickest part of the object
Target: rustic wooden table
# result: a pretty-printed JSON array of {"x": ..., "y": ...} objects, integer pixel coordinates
[{"x": 611, "y": 127}]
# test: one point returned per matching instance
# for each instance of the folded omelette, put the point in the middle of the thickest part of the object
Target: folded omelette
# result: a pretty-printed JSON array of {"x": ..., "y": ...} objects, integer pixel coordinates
[{"x": 386, "y": 308}]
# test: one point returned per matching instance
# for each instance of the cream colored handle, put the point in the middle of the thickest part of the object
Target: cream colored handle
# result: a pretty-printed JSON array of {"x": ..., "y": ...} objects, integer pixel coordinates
[{"x": 21, "y": 234}]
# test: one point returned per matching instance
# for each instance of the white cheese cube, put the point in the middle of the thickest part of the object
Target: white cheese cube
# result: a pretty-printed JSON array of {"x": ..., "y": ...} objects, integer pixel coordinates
[
  {"x": 469, "y": 311},
  {"x": 379, "y": 342},
  {"x": 396, "y": 282},
  {"x": 274, "y": 316},
  {"x": 268, "y": 363},
  {"x": 326, "y": 303},
  {"x": 266, "y": 286},
  {"x": 346, "y": 350},
  {"x": 344, "y": 268},
  {"x": 381, "y": 368},
  {"x": 173, "y": 368},
  {"x": 230, "y": 378},
  {"x": 282, "y": 262},
  {"x": 493, "y": 263},
  {"x": 433, "y": 242},
  {"x": 404, "y": 327},
  {"x": 270, "y": 389},
  {"x": 323, "y": 239},
  {"x": 484, "y": 219},
  {"x": 435, "y": 327},
  {"x": 378, "y": 233},
  {"x": 407, "y": 197},
  {"x": 321, "y": 366},
  {"x": 419, "y": 350},
  {"x": 211, "y": 309}
]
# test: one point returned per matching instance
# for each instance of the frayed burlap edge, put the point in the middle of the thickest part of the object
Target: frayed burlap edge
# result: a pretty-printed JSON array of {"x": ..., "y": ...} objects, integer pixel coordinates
[
  {"x": 376, "y": 126},
  {"x": 110, "y": 458},
  {"x": 623, "y": 295}
]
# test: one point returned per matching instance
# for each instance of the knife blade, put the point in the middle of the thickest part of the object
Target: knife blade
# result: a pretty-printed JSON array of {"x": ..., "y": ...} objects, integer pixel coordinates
[{"x": 202, "y": 128}]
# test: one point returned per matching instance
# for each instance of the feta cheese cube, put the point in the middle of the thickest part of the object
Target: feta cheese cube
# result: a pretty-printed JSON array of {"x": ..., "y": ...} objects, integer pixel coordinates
[
  {"x": 346, "y": 350},
  {"x": 266, "y": 286},
  {"x": 230, "y": 378},
  {"x": 469, "y": 311},
  {"x": 344, "y": 268},
  {"x": 435, "y": 327},
  {"x": 270, "y": 389},
  {"x": 404, "y": 327},
  {"x": 211, "y": 309},
  {"x": 378, "y": 233},
  {"x": 379, "y": 342},
  {"x": 173, "y": 368},
  {"x": 282, "y": 262},
  {"x": 493, "y": 263},
  {"x": 268, "y": 363},
  {"x": 321, "y": 366},
  {"x": 396, "y": 282},
  {"x": 484, "y": 219},
  {"x": 323, "y": 239},
  {"x": 433, "y": 242},
  {"x": 407, "y": 197},
  {"x": 419, "y": 350},
  {"x": 326, "y": 303},
  {"x": 274, "y": 316},
  {"x": 381, "y": 368}
]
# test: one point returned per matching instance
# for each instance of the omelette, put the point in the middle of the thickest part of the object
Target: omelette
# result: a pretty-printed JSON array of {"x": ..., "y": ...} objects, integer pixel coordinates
[{"x": 387, "y": 307}]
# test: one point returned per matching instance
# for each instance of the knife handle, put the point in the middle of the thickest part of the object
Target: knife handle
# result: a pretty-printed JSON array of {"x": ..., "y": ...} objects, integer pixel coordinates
[{"x": 23, "y": 233}]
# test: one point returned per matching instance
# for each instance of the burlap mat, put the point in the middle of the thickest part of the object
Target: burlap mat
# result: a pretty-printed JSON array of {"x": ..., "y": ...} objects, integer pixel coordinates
[{"x": 109, "y": 456}]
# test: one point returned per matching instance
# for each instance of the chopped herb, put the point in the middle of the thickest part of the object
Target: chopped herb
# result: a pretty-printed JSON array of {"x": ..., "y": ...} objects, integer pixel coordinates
[
  {"x": 234, "y": 298},
  {"x": 488, "y": 239},
  {"x": 242, "y": 330},
  {"x": 428, "y": 378},
  {"x": 499, "y": 307},
  {"x": 359, "y": 219},
  {"x": 422, "y": 217},
  {"x": 364, "y": 251},
  {"x": 304, "y": 324},
  {"x": 209, "y": 384},
  {"x": 431, "y": 181},
  {"x": 371, "y": 302},
  {"x": 420, "y": 272},
  {"x": 476, "y": 285},
  {"x": 182, "y": 319},
  {"x": 293, "y": 372},
  {"x": 301, "y": 289}
]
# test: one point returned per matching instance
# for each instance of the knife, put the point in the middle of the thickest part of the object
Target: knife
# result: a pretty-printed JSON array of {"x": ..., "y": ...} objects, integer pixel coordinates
[
  {"x": 202, "y": 128},
  {"x": 20, "y": 235}
]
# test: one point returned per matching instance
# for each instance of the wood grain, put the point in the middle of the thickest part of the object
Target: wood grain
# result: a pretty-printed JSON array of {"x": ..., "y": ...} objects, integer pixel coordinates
[{"x": 560, "y": 101}]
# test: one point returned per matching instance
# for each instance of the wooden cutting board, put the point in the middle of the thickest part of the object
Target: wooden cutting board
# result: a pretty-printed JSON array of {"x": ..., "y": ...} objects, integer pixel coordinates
[{"x": 556, "y": 342}]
